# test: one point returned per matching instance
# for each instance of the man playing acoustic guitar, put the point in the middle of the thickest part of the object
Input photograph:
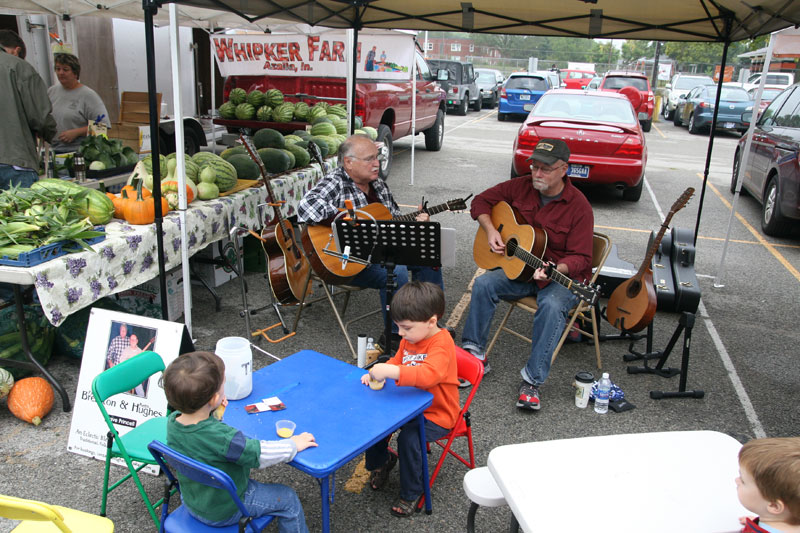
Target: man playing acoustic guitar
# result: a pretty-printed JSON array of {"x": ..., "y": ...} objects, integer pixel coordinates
[
  {"x": 548, "y": 200},
  {"x": 357, "y": 180}
]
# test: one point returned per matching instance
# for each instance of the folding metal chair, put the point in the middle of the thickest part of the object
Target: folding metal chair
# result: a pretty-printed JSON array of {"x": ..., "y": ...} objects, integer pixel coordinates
[
  {"x": 180, "y": 520},
  {"x": 133, "y": 445},
  {"x": 42, "y": 517},
  {"x": 470, "y": 368}
]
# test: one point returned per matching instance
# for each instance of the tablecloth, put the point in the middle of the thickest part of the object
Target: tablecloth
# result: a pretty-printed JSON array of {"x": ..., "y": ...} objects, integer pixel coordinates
[{"x": 128, "y": 256}]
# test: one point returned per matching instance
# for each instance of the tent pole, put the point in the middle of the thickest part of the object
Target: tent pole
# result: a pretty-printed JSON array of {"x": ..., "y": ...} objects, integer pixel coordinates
[
  {"x": 413, "y": 106},
  {"x": 351, "y": 80},
  {"x": 354, "y": 76},
  {"x": 213, "y": 84},
  {"x": 150, "y": 7},
  {"x": 713, "y": 125},
  {"x": 180, "y": 170},
  {"x": 745, "y": 159}
]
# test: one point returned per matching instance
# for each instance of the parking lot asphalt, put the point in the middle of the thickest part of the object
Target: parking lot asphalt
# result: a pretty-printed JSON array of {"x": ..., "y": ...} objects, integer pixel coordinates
[{"x": 742, "y": 352}]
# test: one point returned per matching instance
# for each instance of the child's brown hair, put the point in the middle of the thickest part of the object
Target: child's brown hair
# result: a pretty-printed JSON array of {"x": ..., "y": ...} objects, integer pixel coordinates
[
  {"x": 192, "y": 379},
  {"x": 775, "y": 466},
  {"x": 417, "y": 301}
]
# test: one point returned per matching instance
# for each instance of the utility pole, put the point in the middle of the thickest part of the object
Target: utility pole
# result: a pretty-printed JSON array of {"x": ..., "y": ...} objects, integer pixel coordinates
[{"x": 654, "y": 83}]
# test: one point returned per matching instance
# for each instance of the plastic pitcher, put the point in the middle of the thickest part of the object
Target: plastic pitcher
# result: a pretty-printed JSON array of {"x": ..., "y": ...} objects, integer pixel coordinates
[{"x": 235, "y": 352}]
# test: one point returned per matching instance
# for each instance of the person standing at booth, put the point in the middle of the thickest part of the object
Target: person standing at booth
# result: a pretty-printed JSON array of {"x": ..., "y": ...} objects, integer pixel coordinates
[
  {"x": 25, "y": 112},
  {"x": 74, "y": 105}
]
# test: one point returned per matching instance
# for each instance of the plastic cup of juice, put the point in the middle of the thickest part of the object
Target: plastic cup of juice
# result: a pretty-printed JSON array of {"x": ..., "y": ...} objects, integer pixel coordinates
[
  {"x": 374, "y": 384},
  {"x": 285, "y": 428}
]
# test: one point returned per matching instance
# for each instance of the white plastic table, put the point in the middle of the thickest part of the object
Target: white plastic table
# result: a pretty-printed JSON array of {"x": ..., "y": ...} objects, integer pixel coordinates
[{"x": 654, "y": 482}]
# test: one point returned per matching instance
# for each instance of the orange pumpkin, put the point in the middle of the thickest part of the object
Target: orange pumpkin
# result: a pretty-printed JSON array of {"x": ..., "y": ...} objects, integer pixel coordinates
[
  {"x": 141, "y": 210},
  {"x": 31, "y": 399},
  {"x": 174, "y": 186},
  {"x": 131, "y": 190},
  {"x": 119, "y": 203}
]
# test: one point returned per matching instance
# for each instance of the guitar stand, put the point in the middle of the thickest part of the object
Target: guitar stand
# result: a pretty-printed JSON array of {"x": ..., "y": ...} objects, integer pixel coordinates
[
  {"x": 685, "y": 325},
  {"x": 245, "y": 312}
]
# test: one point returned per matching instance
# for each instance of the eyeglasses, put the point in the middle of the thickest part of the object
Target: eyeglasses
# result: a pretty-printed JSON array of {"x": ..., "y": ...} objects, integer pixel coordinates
[
  {"x": 545, "y": 170},
  {"x": 370, "y": 159}
]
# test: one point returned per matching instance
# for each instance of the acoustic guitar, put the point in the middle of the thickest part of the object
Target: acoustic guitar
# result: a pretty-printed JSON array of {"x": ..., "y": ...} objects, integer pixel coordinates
[
  {"x": 525, "y": 246},
  {"x": 287, "y": 266},
  {"x": 632, "y": 305},
  {"x": 319, "y": 238}
]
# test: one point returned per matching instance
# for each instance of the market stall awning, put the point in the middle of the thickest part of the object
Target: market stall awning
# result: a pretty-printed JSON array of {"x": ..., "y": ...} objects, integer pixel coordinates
[{"x": 678, "y": 20}]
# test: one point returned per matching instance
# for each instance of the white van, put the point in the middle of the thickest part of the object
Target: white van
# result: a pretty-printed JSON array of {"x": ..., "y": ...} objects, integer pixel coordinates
[{"x": 782, "y": 79}]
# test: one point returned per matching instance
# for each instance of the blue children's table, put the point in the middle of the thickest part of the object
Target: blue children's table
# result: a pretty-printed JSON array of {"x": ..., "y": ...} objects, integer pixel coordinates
[{"x": 325, "y": 397}]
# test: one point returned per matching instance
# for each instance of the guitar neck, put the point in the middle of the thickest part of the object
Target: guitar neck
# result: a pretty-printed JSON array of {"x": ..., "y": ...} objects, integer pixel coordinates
[
  {"x": 435, "y": 210},
  {"x": 535, "y": 262},
  {"x": 253, "y": 153}
]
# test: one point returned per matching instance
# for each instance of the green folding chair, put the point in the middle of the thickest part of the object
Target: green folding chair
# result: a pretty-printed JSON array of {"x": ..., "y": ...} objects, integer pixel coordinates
[{"x": 133, "y": 445}]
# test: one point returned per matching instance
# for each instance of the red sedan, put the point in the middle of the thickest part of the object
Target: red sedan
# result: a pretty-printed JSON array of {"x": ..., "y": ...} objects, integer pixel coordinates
[{"x": 603, "y": 134}]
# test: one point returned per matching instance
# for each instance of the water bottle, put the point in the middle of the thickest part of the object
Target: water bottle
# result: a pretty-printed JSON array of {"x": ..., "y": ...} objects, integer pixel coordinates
[{"x": 601, "y": 397}]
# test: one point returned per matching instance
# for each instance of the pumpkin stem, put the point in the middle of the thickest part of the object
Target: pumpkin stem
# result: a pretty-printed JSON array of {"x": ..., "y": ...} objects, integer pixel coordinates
[
  {"x": 36, "y": 421},
  {"x": 124, "y": 194},
  {"x": 102, "y": 187},
  {"x": 139, "y": 191}
]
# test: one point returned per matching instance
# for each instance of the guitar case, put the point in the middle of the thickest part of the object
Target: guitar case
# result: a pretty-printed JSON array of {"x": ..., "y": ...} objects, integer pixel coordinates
[
  {"x": 663, "y": 281},
  {"x": 682, "y": 253},
  {"x": 614, "y": 272}
]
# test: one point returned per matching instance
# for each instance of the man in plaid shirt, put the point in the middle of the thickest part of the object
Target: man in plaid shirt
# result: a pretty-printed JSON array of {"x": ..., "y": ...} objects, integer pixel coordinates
[
  {"x": 357, "y": 180},
  {"x": 116, "y": 346}
]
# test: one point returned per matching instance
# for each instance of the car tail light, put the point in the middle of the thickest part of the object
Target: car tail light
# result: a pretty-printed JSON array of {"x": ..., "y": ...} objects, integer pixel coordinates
[
  {"x": 527, "y": 139},
  {"x": 503, "y": 93},
  {"x": 361, "y": 108},
  {"x": 226, "y": 90},
  {"x": 454, "y": 89},
  {"x": 632, "y": 147},
  {"x": 651, "y": 97},
  {"x": 706, "y": 105}
]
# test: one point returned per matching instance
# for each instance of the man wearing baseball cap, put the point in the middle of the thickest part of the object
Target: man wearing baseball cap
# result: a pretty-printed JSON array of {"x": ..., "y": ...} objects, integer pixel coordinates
[{"x": 545, "y": 199}]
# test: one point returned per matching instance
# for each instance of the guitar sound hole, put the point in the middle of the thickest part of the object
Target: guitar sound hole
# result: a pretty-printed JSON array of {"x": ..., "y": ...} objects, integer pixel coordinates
[
  {"x": 511, "y": 245},
  {"x": 633, "y": 288}
]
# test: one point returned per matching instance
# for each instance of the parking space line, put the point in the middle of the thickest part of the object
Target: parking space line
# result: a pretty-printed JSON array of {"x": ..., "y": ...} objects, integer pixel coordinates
[
  {"x": 659, "y": 130},
  {"x": 761, "y": 240}
]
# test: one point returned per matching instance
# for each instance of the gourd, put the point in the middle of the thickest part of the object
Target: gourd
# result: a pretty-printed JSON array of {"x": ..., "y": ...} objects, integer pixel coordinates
[
  {"x": 31, "y": 399},
  {"x": 170, "y": 189},
  {"x": 6, "y": 382}
]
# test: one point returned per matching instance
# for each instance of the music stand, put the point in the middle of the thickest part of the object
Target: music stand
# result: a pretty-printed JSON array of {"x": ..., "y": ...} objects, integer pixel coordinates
[{"x": 390, "y": 243}]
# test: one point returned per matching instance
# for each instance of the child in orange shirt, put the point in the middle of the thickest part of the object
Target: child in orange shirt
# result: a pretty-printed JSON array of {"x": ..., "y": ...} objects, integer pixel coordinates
[{"x": 425, "y": 359}]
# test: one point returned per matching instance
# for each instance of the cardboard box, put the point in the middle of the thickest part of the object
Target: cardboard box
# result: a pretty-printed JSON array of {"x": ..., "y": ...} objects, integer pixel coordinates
[
  {"x": 145, "y": 299},
  {"x": 134, "y": 125},
  {"x": 217, "y": 274}
]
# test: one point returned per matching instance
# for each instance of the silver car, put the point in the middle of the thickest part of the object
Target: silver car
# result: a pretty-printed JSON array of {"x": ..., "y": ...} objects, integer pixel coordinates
[
  {"x": 679, "y": 86},
  {"x": 489, "y": 83}
]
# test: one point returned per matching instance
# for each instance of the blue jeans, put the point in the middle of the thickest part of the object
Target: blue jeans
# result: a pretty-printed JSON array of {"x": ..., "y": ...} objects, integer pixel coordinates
[
  {"x": 374, "y": 277},
  {"x": 262, "y": 499},
  {"x": 410, "y": 453},
  {"x": 554, "y": 303},
  {"x": 11, "y": 176}
]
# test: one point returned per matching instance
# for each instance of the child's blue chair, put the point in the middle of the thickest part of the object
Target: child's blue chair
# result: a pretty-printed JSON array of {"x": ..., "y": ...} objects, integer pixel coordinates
[{"x": 180, "y": 519}]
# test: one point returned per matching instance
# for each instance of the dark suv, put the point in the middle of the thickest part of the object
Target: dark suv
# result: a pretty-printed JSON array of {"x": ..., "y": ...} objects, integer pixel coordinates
[
  {"x": 458, "y": 80},
  {"x": 617, "y": 81},
  {"x": 772, "y": 174}
]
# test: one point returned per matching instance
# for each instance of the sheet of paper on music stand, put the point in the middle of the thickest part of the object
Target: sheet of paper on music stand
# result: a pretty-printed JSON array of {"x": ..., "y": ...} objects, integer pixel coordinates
[{"x": 448, "y": 249}]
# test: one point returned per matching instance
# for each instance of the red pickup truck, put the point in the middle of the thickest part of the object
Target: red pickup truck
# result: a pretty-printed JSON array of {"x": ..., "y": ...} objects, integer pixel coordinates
[{"x": 383, "y": 105}]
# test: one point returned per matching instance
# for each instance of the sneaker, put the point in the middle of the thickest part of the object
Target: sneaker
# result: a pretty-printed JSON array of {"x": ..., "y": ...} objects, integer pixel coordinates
[
  {"x": 463, "y": 383},
  {"x": 528, "y": 397}
]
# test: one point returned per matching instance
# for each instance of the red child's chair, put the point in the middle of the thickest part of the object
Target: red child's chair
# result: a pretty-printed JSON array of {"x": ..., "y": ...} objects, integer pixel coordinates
[{"x": 470, "y": 368}]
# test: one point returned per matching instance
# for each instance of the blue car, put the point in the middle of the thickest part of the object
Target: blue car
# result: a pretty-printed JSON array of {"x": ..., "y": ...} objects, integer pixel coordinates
[
  {"x": 696, "y": 109},
  {"x": 520, "y": 92}
]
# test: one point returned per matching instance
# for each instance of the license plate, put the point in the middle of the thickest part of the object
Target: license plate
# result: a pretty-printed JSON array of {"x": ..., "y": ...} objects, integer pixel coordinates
[
  {"x": 578, "y": 171},
  {"x": 729, "y": 125},
  {"x": 524, "y": 97},
  {"x": 528, "y": 107}
]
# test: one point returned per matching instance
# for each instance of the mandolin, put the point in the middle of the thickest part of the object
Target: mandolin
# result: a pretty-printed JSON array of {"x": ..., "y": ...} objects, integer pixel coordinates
[
  {"x": 319, "y": 238},
  {"x": 632, "y": 305},
  {"x": 287, "y": 266},
  {"x": 525, "y": 245}
]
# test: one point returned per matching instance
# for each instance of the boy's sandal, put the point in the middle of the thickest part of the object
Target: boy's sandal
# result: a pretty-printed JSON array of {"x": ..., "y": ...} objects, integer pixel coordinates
[
  {"x": 403, "y": 508},
  {"x": 378, "y": 477}
]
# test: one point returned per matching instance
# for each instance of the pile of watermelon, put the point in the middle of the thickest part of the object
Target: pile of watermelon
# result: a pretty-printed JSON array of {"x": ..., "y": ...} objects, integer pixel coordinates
[{"x": 270, "y": 106}]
